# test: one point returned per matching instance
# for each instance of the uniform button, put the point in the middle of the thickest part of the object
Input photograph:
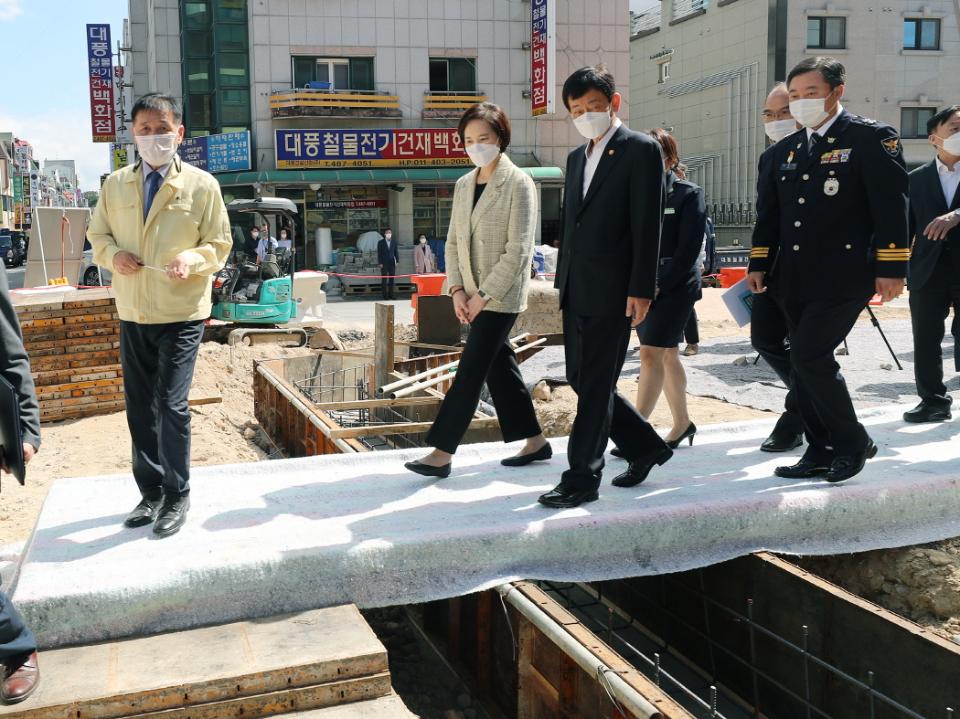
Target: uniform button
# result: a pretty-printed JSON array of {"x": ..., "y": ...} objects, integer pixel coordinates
[
  {"x": 796, "y": 248},
  {"x": 578, "y": 225},
  {"x": 783, "y": 178},
  {"x": 806, "y": 177},
  {"x": 801, "y": 200},
  {"x": 797, "y": 223},
  {"x": 848, "y": 246}
]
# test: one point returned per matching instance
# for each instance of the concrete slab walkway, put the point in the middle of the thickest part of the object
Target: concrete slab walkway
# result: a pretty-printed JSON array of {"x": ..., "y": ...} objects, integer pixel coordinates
[{"x": 289, "y": 535}]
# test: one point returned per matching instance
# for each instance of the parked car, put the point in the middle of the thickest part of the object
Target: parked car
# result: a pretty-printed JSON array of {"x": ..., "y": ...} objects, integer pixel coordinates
[
  {"x": 12, "y": 248},
  {"x": 92, "y": 275}
]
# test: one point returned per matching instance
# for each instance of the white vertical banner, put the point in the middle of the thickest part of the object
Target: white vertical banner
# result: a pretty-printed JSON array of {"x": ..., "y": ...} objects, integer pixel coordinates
[{"x": 543, "y": 56}]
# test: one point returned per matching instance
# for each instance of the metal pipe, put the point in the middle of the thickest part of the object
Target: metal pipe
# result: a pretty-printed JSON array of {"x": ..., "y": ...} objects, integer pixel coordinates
[
  {"x": 388, "y": 388},
  {"x": 627, "y": 696},
  {"x": 426, "y": 384}
]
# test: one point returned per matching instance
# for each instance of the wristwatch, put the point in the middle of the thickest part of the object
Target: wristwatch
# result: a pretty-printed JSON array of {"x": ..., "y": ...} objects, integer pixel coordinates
[{"x": 483, "y": 295}]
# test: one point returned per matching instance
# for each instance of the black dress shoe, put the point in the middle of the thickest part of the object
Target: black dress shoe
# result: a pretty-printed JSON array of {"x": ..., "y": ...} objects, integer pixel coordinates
[
  {"x": 845, "y": 466},
  {"x": 561, "y": 497},
  {"x": 640, "y": 468},
  {"x": 428, "y": 470},
  {"x": 522, "y": 460},
  {"x": 687, "y": 434},
  {"x": 804, "y": 469},
  {"x": 781, "y": 442},
  {"x": 925, "y": 412},
  {"x": 172, "y": 515},
  {"x": 618, "y": 453},
  {"x": 144, "y": 513}
]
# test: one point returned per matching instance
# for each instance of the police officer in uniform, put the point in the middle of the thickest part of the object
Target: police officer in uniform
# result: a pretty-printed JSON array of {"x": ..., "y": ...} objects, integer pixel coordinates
[{"x": 832, "y": 230}]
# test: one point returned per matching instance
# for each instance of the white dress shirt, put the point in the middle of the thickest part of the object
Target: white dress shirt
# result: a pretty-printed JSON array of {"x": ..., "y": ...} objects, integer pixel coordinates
[
  {"x": 949, "y": 180},
  {"x": 822, "y": 130},
  {"x": 594, "y": 152}
]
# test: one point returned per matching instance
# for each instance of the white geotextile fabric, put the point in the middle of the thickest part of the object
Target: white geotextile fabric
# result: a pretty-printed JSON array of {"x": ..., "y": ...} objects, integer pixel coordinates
[{"x": 274, "y": 537}]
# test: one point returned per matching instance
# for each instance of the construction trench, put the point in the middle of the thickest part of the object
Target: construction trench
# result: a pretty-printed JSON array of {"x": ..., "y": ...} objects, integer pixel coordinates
[
  {"x": 750, "y": 637},
  {"x": 755, "y": 636}
]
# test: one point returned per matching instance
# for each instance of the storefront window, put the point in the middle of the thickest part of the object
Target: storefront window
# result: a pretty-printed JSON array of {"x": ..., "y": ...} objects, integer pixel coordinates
[
  {"x": 431, "y": 210},
  {"x": 348, "y": 212}
]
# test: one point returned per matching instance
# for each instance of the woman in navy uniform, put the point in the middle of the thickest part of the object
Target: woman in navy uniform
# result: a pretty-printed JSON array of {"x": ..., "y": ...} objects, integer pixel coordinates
[
  {"x": 678, "y": 288},
  {"x": 831, "y": 230}
]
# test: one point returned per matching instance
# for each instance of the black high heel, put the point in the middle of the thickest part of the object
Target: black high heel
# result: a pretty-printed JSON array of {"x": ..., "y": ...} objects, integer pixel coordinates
[{"x": 688, "y": 433}]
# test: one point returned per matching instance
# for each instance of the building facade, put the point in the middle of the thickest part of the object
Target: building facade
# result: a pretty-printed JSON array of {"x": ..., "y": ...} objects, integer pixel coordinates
[
  {"x": 313, "y": 80},
  {"x": 703, "y": 70}
]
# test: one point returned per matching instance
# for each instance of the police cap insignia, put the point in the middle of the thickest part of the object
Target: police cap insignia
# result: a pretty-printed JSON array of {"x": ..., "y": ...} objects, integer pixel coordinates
[{"x": 892, "y": 146}]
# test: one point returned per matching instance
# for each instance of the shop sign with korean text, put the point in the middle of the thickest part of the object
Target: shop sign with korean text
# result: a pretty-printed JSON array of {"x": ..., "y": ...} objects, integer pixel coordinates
[
  {"x": 416, "y": 147},
  {"x": 225, "y": 152},
  {"x": 543, "y": 56},
  {"x": 100, "y": 72}
]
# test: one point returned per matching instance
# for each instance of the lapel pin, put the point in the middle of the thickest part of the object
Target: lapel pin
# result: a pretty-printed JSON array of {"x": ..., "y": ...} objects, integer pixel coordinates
[
  {"x": 831, "y": 140},
  {"x": 610, "y": 152}
]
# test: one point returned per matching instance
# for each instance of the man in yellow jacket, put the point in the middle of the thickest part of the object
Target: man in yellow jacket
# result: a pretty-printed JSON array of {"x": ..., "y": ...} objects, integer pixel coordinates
[{"x": 162, "y": 227}]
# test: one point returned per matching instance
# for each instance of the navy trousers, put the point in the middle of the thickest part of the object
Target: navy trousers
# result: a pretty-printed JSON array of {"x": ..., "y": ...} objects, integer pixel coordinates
[{"x": 16, "y": 641}]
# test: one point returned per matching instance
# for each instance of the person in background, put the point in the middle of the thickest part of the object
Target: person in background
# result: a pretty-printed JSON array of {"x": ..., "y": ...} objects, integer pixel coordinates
[
  {"x": 768, "y": 324},
  {"x": 607, "y": 277},
  {"x": 706, "y": 261},
  {"x": 267, "y": 244},
  {"x": 678, "y": 288},
  {"x": 284, "y": 243},
  {"x": 935, "y": 264},
  {"x": 162, "y": 226},
  {"x": 19, "y": 669},
  {"x": 388, "y": 255},
  {"x": 252, "y": 245},
  {"x": 832, "y": 230},
  {"x": 423, "y": 259},
  {"x": 490, "y": 243}
]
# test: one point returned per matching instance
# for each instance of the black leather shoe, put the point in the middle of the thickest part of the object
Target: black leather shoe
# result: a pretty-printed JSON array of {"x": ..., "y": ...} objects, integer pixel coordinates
[
  {"x": 144, "y": 513},
  {"x": 781, "y": 442},
  {"x": 561, "y": 497},
  {"x": 428, "y": 470},
  {"x": 640, "y": 468},
  {"x": 172, "y": 515},
  {"x": 688, "y": 434},
  {"x": 846, "y": 466},
  {"x": 522, "y": 460},
  {"x": 804, "y": 469},
  {"x": 924, "y": 412},
  {"x": 616, "y": 452}
]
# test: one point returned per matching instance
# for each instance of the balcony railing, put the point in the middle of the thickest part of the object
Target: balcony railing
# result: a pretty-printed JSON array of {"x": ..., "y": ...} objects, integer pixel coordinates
[
  {"x": 449, "y": 105},
  {"x": 305, "y": 102}
]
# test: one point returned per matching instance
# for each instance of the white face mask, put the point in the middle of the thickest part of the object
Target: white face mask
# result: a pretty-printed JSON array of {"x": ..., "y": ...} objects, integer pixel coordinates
[
  {"x": 593, "y": 124},
  {"x": 157, "y": 150},
  {"x": 951, "y": 144},
  {"x": 482, "y": 154},
  {"x": 810, "y": 112},
  {"x": 255, "y": 234},
  {"x": 389, "y": 235},
  {"x": 423, "y": 240},
  {"x": 778, "y": 129}
]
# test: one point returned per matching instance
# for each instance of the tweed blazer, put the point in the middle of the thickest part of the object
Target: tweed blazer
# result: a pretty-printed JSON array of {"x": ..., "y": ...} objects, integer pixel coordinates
[{"x": 490, "y": 246}]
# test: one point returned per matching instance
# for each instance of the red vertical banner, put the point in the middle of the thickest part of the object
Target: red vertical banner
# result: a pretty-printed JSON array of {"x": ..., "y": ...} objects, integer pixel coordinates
[
  {"x": 543, "y": 56},
  {"x": 100, "y": 71}
]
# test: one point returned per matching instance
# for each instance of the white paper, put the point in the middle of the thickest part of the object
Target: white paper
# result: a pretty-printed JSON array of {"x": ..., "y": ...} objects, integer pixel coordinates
[{"x": 739, "y": 302}]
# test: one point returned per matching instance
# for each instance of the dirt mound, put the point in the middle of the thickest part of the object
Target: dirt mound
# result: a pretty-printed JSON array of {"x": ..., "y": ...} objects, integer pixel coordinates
[{"x": 921, "y": 583}]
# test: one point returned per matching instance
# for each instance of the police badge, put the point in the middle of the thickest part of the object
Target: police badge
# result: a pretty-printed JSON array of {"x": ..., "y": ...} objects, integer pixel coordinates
[
  {"x": 831, "y": 187},
  {"x": 892, "y": 146}
]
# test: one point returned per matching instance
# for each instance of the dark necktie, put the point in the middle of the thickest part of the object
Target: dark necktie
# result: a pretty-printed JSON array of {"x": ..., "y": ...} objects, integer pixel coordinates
[
  {"x": 154, "y": 180},
  {"x": 814, "y": 139}
]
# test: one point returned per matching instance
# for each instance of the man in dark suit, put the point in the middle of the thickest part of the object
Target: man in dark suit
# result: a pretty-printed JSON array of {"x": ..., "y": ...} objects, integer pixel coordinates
[
  {"x": 768, "y": 326},
  {"x": 935, "y": 264},
  {"x": 831, "y": 231},
  {"x": 388, "y": 255},
  {"x": 607, "y": 275},
  {"x": 19, "y": 672}
]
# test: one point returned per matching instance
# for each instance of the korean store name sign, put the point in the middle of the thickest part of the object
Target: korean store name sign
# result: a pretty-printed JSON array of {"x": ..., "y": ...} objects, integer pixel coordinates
[{"x": 416, "y": 147}]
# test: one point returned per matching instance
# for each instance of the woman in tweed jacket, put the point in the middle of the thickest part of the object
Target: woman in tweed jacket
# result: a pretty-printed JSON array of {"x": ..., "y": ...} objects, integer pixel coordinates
[{"x": 488, "y": 255}]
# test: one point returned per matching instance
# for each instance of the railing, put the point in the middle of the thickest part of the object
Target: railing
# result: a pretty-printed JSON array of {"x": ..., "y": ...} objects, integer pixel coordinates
[
  {"x": 445, "y": 102},
  {"x": 282, "y": 101}
]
